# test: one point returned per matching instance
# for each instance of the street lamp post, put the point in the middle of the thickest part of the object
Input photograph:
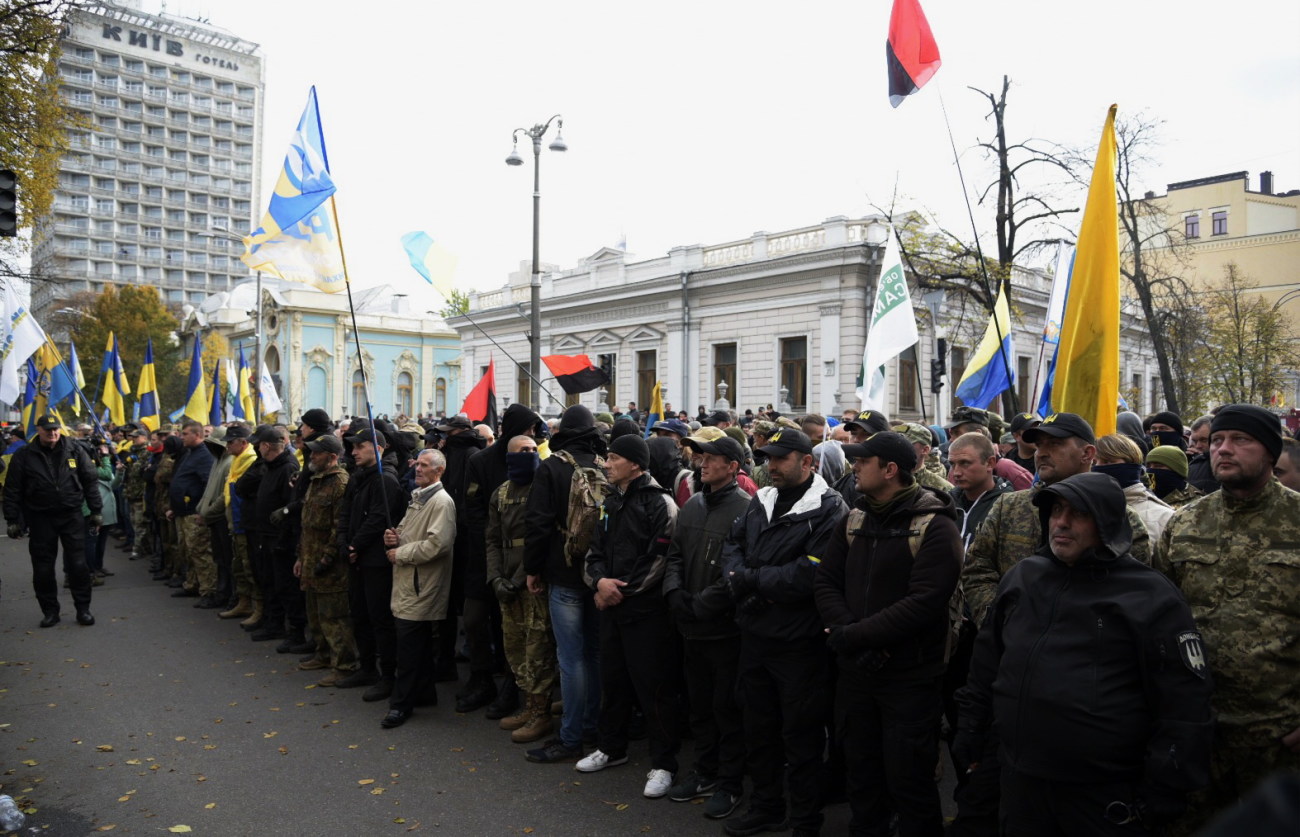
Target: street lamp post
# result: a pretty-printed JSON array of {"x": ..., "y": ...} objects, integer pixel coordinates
[{"x": 535, "y": 286}]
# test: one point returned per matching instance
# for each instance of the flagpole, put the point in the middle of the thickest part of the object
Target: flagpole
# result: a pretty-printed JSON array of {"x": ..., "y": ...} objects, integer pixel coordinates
[
  {"x": 979, "y": 252},
  {"x": 90, "y": 408},
  {"x": 361, "y": 366},
  {"x": 527, "y": 371}
]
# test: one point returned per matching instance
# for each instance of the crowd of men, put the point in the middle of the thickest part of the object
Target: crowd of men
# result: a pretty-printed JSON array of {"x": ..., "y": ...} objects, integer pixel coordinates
[{"x": 1101, "y": 632}]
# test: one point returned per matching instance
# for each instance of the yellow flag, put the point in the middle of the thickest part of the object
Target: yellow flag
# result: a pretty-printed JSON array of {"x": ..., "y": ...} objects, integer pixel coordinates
[{"x": 1087, "y": 360}]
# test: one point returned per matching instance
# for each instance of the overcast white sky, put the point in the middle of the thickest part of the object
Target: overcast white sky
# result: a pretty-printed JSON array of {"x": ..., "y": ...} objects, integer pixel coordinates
[{"x": 703, "y": 122}]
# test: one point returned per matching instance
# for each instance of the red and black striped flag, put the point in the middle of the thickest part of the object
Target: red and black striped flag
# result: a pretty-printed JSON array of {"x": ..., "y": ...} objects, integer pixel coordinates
[
  {"x": 575, "y": 373},
  {"x": 481, "y": 404},
  {"x": 911, "y": 53}
]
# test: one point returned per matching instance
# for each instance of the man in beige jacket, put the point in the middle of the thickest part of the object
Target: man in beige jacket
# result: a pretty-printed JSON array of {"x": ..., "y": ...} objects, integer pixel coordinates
[{"x": 420, "y": 551}]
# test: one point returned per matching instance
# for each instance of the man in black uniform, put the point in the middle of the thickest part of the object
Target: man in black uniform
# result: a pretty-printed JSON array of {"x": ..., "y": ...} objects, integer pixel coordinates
[
  {"x": 1092, "y": 668},
  {"x": 46, "y": 484},
  {"x": 784, "y": 671}
]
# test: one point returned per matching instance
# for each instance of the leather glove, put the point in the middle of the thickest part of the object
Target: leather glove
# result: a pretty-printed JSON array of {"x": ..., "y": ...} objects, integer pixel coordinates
[
  {"x": 15, "y": 531},
  {"x": 837, "y": 640},
  {"x": 505, "y": 589},
  {"x": 967, "y": 749},
  {"x": 752, "y": 605},
  {"x": 1159, "y": 807},
  {"x": 682, "y": 605},
  {"x": 278, "y": 516},
  {"x": 96, "y": 520},
  {"x": 742, "y": 583},
  {"x": 323, "y": 567}
]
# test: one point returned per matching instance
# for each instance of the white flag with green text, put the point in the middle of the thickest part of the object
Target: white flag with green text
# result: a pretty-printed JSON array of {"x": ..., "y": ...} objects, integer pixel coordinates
[{"x": 892, "y": 328}]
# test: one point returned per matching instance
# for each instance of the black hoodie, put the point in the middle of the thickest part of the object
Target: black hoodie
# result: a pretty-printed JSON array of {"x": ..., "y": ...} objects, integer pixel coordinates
[
  {"x": 1093, "y": 672},
  {"x": 548, "y": 503}
]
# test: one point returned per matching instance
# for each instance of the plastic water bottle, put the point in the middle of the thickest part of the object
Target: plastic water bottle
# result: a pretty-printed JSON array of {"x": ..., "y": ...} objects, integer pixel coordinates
[{"x": 11, "y": 819}]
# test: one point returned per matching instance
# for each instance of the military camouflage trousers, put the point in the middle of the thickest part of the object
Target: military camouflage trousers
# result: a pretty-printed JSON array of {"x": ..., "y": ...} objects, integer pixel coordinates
[
  {"x": 330, "y": 620},
  {"x": 529, "y": 643},
  {"x": 242, "y": 571},
  {"x": 143, "y": 531},
  {"x": 196, "y": 551},
  {"x": 170, "y": 550}
]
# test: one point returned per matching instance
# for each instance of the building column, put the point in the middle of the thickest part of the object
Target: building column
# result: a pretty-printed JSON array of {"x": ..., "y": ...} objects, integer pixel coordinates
[
  {"x": 827, "y": 373},
  {"x": 427, "y": 376},
  {"x": 676, "y": 348}
]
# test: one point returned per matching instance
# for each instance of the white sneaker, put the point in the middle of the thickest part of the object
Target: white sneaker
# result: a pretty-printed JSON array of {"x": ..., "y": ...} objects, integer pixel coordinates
[
  {"x": 598, "y": 761},
  {"x": 657, "y": 783}
]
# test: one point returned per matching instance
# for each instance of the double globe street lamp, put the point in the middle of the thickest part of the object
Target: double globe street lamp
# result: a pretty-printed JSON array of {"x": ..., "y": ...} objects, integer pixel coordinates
[{"x": 535, "y": 287}]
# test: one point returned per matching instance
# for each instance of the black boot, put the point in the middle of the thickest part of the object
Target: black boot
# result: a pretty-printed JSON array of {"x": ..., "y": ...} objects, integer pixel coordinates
[
  {"x": 267, "y": 632},
  {"x": 295, "y": 638},
  {"x": 479, "y": 691},
  {"x": 506, "y": 703}
]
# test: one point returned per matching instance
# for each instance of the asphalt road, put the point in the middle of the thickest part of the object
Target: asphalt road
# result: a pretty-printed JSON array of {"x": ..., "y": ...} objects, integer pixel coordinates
[{"x": 161, "y": 715}]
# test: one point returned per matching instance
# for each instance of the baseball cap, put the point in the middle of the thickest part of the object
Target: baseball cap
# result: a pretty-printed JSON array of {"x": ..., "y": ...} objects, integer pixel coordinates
[
  {"x": 453, "y": 423},
  {"x": 673, "y": 426},
  {"x": 1062, "y": 426},
  {"x": 48, "y": 421},
  {"x": 369, "y": 435},
  {"x": 968, "y": 415},
  {"x": 140, "y": 431},
  {"x": 889, "y": 446},
  {"x": 325, "y": 443},
  {"x": 918, "y": 433},
  {"x": 1024, "y": 421},
  {"x": 726, "y": 446},
  {"x": 786, "y": 441},
  {"x": 716, "y": 417},
  {"x": 237, "y": 431},
  {"x": 872, "y": 421},
  {"x": 706, "y": 434}
]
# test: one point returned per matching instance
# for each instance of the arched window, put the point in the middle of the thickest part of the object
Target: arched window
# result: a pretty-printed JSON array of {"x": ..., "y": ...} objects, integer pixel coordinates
[
  {"x": 316, "y": 388},
  {"x": 358, "y": 394},
  {"x": 440, "y": 397},
  {"x": 404, "y": 393}
]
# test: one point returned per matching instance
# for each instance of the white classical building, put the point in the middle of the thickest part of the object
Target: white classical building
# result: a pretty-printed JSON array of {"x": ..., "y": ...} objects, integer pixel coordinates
[{"x": 773, "y": 317}]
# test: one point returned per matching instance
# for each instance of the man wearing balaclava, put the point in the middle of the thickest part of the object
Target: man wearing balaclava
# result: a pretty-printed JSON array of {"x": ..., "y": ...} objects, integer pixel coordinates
[{"x": 525, "y": 615}]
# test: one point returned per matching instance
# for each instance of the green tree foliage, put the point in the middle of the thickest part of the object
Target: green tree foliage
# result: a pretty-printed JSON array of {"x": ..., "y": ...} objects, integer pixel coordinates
[
  {"x": 457, "y": 305},
  {"x": 33, "y": 121},
  {"x": 1249, "y": 344},
  {"x": 134, "y": 313}
]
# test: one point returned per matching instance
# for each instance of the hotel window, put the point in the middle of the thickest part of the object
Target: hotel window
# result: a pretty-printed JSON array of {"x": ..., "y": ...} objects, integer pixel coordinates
[
  {"x": 1192, "y": 226},
  {"x": 724, "y": 370},
  {"x": 794, "y": 372},
  {"x": 404, "y": 388},
  {"x": 1219, "y": 222}
]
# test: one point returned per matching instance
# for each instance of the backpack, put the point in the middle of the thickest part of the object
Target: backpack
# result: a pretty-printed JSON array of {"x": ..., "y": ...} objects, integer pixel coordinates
[
  {"x": 956, "y": 604},
  {"x": 587, "y": 490}
]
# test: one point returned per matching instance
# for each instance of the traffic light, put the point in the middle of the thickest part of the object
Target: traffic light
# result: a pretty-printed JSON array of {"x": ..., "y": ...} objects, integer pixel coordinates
[
  {"x": 939, "y": 365},
  {"x": 8, "y": 204}
]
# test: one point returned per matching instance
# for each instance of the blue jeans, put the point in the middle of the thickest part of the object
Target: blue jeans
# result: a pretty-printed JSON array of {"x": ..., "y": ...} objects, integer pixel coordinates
[{"x": 577, "y": 647}]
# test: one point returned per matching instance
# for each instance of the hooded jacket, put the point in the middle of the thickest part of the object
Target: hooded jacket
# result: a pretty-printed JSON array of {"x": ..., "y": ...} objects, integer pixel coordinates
[
  {"x": 886, "y": 598},
  {"x": 784, "y": 553},
  {"x": 547, "y": 509},
  {"x": 1093, "y": 672},
  {"x": 631, "y": 544}
]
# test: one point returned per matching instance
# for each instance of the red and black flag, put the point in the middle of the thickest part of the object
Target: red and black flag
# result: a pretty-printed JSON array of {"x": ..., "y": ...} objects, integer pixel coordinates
[
  {"x": 911, "y": 53},
  {"x": 575, "y": 373},
  {"x": 480, "y": 405}
]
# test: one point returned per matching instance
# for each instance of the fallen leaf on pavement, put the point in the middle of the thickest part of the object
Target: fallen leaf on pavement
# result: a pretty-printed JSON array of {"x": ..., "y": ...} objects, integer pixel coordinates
[
  {"x": 271, "y": 734},
  {"x": 284, "y": 751},
  {"x": 377, "y": 792},
  {"x": 210, "y": 805},
  {"x": 108, "y": 827},
  {"x": 31, "y": 762},
  {"x": 180, "y": 738},
  {"x": 132, "y": 761},
  {"x": 105, "y": 748},
  {"x": 365, "y": 781},
  {"x": 180, "y": 829}
]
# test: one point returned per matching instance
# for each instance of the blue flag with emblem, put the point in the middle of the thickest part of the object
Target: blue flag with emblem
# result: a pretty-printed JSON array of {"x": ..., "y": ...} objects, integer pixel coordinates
[{"x": 298, "y": 238}]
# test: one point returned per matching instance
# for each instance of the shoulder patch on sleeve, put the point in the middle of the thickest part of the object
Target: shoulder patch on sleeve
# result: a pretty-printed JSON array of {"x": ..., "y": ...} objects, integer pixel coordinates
[{"x": 1191, "y": 649}]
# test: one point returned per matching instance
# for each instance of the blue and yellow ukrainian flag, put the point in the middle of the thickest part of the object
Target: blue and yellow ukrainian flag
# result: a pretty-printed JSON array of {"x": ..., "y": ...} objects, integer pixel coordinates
[
  {"x": 115, "y": 385},
  {"x": 298, "y": 239},
  {"x": 656, "y": 414},
  {"x": 147, "y": 392},
  {"x": 57, "y": 383},
  {"x": 196, "y": 399},
  {"x": 245, "y": 408},
  {"x": 214, "y": 410},
  {"x": 989, "y": 372},
  {"x": 31, "y": 394},
  {"x": 74, "y": 363},
  {"x": 431, "y": 260}
]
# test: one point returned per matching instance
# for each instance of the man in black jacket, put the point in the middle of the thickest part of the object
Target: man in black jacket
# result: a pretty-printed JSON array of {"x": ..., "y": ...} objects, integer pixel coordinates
[
  {"x": 371, "y": 505},
  {"x": 701, "y": 606},
  {"x": 486, "y": 471},
  {"x": 548, "y": 568},
  {"x": 883, "y": 589},
  {"x": 637, "y": 655},
  {"x": 1094, "y": 672},
  {"x": 46, "y": 483},
  {"x": 265, "y": 488},
  {"x": 770, "y": 560},
  {"x": 460, "y": 444}
]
